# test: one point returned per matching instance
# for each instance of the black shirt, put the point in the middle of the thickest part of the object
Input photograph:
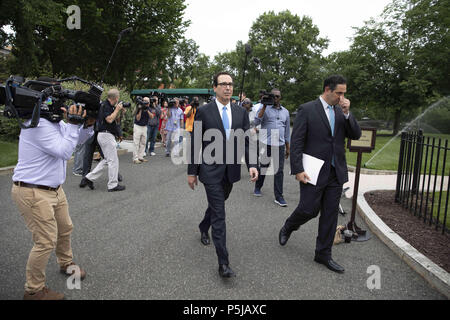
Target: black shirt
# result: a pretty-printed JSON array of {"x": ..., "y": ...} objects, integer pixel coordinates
[
  {"x": 144, "y": 118},
  {"x": 106, "y": 110}
]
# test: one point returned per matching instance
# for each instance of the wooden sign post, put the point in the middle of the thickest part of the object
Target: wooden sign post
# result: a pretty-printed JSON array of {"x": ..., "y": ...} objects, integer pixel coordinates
[{"x": 365, "y": 144}]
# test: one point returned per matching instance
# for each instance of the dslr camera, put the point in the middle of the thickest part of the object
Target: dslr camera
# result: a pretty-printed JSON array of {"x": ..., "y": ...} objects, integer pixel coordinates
[
  {"x": 267, "y": 99},
  {"x": 125, "y": 104}
]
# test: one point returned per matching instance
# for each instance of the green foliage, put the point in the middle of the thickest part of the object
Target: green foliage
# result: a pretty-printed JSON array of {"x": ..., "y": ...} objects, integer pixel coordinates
[
  {"x": 9, "y": 128},
  {"x": 397, "y": 67},
  {"x": 43, "y": 45},
  {"x": 289, "y": 49}
]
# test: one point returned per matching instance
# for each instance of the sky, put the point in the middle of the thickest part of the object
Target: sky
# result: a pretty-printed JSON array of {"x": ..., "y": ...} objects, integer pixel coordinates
[{"x": 216, "y": 26}]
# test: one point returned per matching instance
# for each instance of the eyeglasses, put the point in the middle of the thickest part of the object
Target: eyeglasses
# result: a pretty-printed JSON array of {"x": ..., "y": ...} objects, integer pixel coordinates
[
  {"x": 226, "y": 84},
  {"x": 277, "y": 96}
]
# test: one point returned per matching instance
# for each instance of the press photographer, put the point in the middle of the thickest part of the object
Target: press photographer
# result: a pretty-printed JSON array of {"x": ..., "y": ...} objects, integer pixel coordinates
[
  {"x": 108, "y": 130},
  {"x": 274, "y": 141},
  {"x": 152, "y": 126},
  {"x": 38, "y": 193},
  {"x": 141, "y": 119},
  {"x": 190, "y": 114}
]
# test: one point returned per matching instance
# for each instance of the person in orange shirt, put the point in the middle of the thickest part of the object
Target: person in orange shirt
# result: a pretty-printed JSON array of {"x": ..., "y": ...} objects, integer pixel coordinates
[{"x": 190, "y": 114}]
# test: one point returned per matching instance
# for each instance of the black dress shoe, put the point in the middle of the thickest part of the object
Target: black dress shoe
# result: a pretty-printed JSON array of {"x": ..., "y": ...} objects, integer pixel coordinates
[
  {"x": 117, "y": 188},
  {"x": 204, "y": 238},
  {"x": 86, "y": 182},
  {"x": 225, "y": 271},
  {"x": 283, "y": 236},
  {"x": 330, "y": 264}
]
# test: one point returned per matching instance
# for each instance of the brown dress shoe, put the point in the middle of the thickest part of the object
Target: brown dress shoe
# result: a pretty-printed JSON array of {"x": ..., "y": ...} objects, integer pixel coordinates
[
  {"x": 64, "y": 270},
  {"x": 44, "y": 294}
]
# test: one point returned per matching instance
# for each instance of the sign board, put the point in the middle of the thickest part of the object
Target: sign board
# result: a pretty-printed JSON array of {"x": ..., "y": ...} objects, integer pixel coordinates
[{"x": 364, "y": 144}]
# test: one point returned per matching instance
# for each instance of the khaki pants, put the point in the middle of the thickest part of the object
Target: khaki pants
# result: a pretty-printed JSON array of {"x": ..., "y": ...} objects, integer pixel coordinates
[
  {"x": 46, "y": 214},
  {"x": 108, "y": 144},
  {"x": 139, "y": 139}
]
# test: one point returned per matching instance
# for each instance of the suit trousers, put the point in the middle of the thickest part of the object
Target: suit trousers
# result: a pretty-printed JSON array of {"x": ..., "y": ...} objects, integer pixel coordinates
[
  {"x": 312, "y": 200},
  {"x": 46, "y": 214},
  {"x": 215, "y": 216},
  {"x": 278, "y": 168}
]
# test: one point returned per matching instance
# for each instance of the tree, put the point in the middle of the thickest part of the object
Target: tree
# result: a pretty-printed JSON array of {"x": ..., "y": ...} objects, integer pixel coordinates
[
  {"x": 289, "y": 50},
  {"x": 181, "y": 63},
  {"x": 430, "y": 22},
  {"x": 42, "y": 40},
  {"x": 396, "y": 67}
]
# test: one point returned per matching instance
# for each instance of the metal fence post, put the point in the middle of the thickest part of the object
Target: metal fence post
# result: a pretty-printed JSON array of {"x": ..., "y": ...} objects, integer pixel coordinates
[
  {"x": 400, "y": 167},
  {"x": 417, "y": 161}
]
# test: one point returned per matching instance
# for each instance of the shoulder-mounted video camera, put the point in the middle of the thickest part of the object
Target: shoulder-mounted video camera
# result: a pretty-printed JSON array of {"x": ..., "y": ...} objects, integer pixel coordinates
[
  {"x": 172, "y": 103},
  {"x": 267, "y": 98},
  {"x": 44, "y": 98}
]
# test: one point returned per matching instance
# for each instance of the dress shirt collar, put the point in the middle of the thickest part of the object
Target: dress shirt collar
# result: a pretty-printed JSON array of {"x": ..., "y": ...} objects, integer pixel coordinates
[
  {"x": 325, "y": 104},
  {"x": 220, "y": 106}
]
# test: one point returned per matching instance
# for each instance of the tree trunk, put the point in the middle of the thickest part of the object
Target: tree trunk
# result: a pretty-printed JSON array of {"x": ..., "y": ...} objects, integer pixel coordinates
[{"x": 396, "y": 122}]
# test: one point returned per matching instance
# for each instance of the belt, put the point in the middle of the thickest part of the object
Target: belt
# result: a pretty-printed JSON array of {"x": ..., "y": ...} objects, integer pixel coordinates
[
  {"x": 30, "y": 185},
  {"x": 105, "y": 131}
]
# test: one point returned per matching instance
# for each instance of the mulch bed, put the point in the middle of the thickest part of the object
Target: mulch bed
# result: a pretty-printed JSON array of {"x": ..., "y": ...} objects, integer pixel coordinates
[{"x": 431, "y": 243}]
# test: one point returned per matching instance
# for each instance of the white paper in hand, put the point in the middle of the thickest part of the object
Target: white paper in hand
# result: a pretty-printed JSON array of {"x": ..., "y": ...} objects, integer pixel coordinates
[{"x": 312, "y": 166}]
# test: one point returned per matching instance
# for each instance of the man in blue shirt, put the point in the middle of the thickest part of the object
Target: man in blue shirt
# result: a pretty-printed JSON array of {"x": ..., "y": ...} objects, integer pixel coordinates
[
  {"x": 38, "y": 193},
  {"x": 274, "y": 140},
  {"x": 174, "y": 125}
]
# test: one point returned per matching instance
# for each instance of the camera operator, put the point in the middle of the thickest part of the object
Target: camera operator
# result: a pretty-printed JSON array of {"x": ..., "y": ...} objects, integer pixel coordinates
[
  {"x": 173, "y": 126},
  {"x": 274, "y": 137},
  {"x": 108, "y": 130},
  {"x": 38, "y": 193},
  {"x": 141, "y": 120},
  {"x": 152, "y": 126},
  {"x": 190, "y": 114}
]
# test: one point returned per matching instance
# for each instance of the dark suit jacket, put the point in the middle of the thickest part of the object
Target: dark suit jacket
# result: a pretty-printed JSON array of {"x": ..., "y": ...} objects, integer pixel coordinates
[
  {"x": 312, "y": 135},
  {"x": 214, "y": 172}
]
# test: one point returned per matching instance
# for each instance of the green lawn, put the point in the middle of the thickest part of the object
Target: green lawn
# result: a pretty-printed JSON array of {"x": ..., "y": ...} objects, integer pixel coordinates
[
  {"x": 388, "y": 158},
  {"x": 8, "y": 153}
]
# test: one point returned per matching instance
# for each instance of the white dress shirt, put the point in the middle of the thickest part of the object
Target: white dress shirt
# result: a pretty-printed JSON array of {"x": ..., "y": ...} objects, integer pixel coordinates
[
  {"x": 325, "y": 107},
  {"x": 220, "y": 108},
  {"x": 44, "y": 151}
]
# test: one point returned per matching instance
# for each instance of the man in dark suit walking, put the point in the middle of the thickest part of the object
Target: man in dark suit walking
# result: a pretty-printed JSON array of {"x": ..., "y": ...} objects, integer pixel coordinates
[
  {"x": 320, "y": 129},
  {"x": 219, "y": 170}
]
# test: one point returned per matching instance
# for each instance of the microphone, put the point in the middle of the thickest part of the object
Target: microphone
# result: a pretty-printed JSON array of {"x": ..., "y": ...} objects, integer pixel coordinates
[
  {"x": 127, "y": 30},
  {"x": 248, "y": 49}
]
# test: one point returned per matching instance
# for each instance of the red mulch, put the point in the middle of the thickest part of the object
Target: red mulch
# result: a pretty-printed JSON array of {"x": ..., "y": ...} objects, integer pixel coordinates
[{"x": 431, "y": 243}]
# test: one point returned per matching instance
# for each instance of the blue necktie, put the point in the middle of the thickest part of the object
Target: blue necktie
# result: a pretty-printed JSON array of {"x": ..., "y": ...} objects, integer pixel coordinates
[
  {"x": 331, "y": 113},
  {"x": 226, "y": 122}
]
